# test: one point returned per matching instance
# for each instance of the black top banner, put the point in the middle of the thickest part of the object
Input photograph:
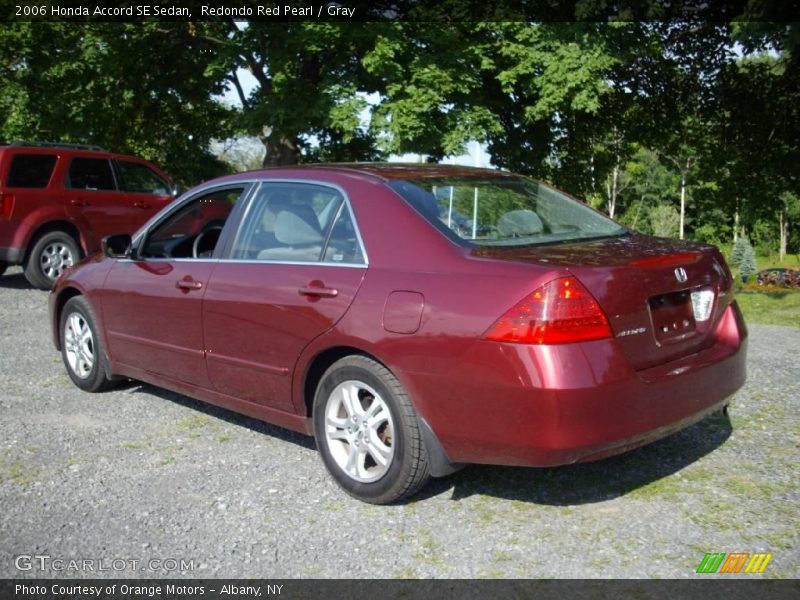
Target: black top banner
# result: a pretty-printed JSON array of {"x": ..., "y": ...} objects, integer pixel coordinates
[{"x": 405, "y": 10}]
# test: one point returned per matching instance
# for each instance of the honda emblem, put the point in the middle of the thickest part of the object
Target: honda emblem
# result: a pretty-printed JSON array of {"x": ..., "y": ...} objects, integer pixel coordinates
[{"x": 680, "y": 275}]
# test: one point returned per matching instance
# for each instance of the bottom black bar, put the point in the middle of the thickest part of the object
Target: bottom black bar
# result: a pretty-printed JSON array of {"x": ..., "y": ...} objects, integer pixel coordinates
[{"x": 732, "y": 588}]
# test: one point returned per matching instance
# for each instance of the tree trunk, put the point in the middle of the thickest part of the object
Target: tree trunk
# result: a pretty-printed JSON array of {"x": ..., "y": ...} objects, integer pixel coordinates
[
  {"x": 612, "y": 192},
  {"x": 736, "y": 226},
  {"x": 280, "y": 151},
  {"x": 683, "y": 202},
  {"x": 783, "y": 225}
]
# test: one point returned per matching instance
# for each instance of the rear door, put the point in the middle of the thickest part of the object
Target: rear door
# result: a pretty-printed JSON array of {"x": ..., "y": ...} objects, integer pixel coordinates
[
  {"x": 289, "y": 275},
  {"x": 146, "y": 191},
  {"x": 93, "y": 197}
]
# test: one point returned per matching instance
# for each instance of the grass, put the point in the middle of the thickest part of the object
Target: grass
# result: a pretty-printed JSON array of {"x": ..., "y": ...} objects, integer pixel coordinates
[
  {"x": 770, "y": 308},
  {"x": 779, "y": 306},
  {"x": 23, "y": 474}
]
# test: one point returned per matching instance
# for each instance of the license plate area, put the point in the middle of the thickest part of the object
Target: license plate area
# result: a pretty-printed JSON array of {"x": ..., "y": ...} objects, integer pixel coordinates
[
  {"x": 673, "y": 316},
  {"x": 683, "y": 314}
]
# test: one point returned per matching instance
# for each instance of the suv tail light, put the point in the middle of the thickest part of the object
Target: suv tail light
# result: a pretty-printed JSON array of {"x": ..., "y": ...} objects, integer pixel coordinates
[
  {"x": 559, "y": 312},
  {"x": 6, "y": 204}
]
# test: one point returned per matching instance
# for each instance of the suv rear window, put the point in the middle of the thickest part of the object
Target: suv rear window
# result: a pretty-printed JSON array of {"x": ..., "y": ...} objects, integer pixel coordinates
[
  {"x": 91, "y": 174},
  {"x": 31, "y": 170}
]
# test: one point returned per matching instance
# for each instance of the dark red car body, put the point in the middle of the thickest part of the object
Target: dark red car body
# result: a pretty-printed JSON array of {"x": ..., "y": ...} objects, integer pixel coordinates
[
  {"x": 29, "y": 211},
  {"x": 245, "y": 339}
]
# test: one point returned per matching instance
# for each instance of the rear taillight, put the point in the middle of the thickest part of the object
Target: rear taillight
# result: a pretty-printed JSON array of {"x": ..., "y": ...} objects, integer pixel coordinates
[
  {"x": 6, "y": 205},
  {"x": 559, "y": 312}
]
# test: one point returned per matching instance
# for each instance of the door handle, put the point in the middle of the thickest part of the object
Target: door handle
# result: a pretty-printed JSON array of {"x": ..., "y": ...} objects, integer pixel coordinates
[
  {"x": 79, "y": 202},
  {"x": 138, "y": 204},
  {"x": 187, "y": 283},
  {"x": 318, "y": 291}
]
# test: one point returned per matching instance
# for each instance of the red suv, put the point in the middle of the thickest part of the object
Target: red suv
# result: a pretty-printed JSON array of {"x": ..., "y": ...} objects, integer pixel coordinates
[{"x": 57, "y": 201}]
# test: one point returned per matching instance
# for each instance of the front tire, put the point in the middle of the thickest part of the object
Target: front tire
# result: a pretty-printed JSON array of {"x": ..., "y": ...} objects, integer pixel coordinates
[
  {"x": 367, "y": 432},
  {"x": 49, "y": 257},
  {"x": 81, "y": 349},
  {"x": 3, "y": 267}
]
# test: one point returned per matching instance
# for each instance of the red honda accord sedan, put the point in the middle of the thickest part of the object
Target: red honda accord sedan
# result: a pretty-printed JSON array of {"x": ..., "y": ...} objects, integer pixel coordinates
[{"x": 411, "y": 318}]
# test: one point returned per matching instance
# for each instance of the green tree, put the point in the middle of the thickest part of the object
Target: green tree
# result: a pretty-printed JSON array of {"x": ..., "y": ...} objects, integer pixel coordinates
[
  {"x": 137, "y": 88},
  {"x": 664, "y": 220},
  {"x": 748, "y": 265},
  {"x": 311, "y": 90}
]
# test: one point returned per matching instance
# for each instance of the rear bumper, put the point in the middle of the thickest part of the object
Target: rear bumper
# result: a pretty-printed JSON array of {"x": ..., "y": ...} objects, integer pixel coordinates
[
  {"x": 12, "y": 256},
  {"x": 553, "y": 405}
]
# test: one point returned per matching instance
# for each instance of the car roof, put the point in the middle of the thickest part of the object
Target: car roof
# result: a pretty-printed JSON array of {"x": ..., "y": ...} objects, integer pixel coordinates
[
  {"x": 66, "y": 149},
  {"x": 385, "y": 171}
]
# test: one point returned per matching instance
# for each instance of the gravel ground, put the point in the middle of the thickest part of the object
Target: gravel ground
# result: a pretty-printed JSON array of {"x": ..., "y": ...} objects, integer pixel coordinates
[{"x": 140, "y": 473}]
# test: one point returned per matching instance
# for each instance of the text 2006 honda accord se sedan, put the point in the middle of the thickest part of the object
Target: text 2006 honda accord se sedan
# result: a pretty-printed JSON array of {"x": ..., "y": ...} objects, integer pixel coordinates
[{"x": 412, "y": 318}]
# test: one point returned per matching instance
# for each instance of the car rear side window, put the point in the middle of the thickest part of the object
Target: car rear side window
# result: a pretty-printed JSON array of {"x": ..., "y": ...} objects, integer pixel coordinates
[
  {"x": 92, "y": 174},
  {"x": 141, "y": 179},
  {"x": 295, "y": 222},
  {"x": 31, "y": 170},
  {"x": 343, "y": 245}
]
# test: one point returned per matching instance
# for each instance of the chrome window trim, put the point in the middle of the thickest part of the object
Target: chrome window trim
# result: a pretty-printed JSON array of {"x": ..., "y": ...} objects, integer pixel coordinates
[
  {"x": 251, "y": 199},
  {"x": 248, "y": 261},
  {"x": 176, "y": 206},
  {"x": 305, "y": 263}
]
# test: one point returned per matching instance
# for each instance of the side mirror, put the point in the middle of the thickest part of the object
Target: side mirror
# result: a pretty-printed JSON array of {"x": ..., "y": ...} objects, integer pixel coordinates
[{"x": 117, "y": 246}]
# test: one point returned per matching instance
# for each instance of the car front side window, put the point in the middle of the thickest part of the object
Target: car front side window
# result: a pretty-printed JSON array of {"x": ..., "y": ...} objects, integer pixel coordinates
[
  {"x": 194, "y": 229},
  {"x": 140, "y": 179}
]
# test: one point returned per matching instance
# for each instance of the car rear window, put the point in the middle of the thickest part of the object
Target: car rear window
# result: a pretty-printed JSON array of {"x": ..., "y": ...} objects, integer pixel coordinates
[
  {"x": 503, "y": 211},
  {"x": 31, "y": 170}
]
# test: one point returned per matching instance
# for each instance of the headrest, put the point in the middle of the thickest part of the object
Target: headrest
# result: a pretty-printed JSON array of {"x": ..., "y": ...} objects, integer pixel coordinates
[
  {"x": 519, "y": 222},
  {"x": 297, "y": 225}
]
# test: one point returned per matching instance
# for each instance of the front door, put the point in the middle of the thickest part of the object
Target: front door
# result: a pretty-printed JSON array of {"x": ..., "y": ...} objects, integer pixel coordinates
[
  {"x": 152, "y": 305},
  {"x": 146, "y": 191}
]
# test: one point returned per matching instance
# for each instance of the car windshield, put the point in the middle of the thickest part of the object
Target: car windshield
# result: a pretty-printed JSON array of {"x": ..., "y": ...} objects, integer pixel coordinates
[{"x": 503, "y": 211}]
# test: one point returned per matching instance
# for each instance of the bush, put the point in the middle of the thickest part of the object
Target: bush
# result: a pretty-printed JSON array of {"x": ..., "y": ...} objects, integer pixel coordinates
[
  {"x": 711, "y": 234},
  {"x": 748, "y": 267},
  {"x": 665, "y": 220},
  {"x": 738, "y": 251}
]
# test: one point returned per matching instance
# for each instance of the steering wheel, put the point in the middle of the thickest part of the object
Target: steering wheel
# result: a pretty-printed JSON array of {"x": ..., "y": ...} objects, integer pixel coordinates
[{"x": 196, "y": 252}]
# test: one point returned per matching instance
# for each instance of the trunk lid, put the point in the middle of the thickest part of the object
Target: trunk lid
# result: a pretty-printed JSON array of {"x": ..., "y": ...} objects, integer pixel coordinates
[{"x": 654, "y": 291}]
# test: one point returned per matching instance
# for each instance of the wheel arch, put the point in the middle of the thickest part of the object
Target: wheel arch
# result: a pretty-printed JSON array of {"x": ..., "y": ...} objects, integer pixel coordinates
[
  {"x": 439, "y": 463},
  {"x": 63, "y": 297},
  {"x": 320, "y": 363},
  {"x": 59, "y": 225}
]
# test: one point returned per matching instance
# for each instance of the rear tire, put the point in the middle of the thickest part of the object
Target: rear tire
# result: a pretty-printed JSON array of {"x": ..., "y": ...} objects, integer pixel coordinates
[
  {"x": 3, "y": 267},
  {"x": 50, "y": 255},
  {"x": 367, "y": 432},
  {"x": 81, "y": 349}
]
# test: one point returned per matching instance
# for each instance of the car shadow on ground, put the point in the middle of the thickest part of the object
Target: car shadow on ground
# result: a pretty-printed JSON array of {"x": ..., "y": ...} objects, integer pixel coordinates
[
  {"x": 14, "y": 281},
  {"x": 583, "y": 483},
  {"x": 221, "y": 413},
  {"x": 587, "y": 483}
]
